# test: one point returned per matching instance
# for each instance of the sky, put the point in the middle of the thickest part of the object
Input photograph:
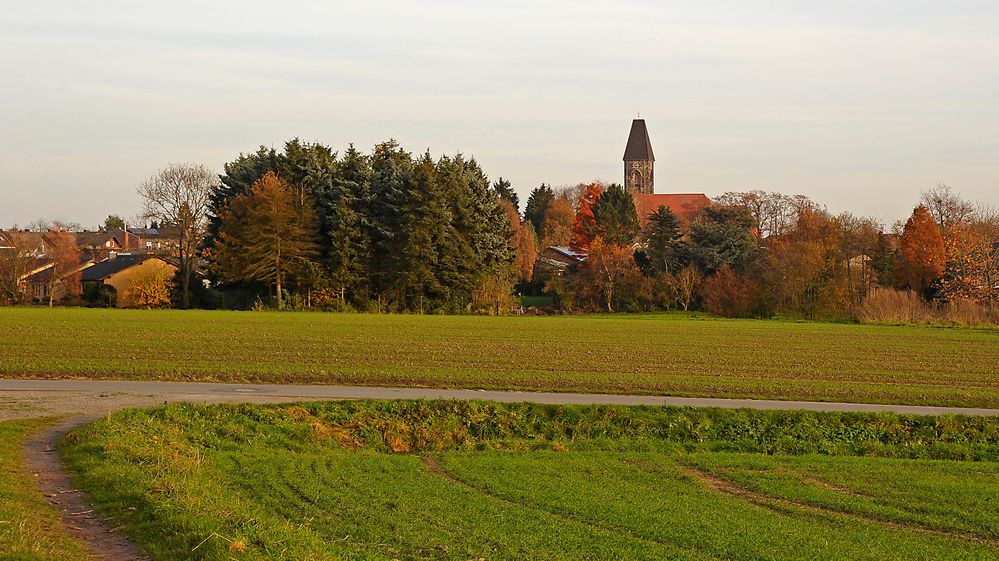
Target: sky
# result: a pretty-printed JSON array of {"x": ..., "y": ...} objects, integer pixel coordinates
[{"x": 859, "y": 105}]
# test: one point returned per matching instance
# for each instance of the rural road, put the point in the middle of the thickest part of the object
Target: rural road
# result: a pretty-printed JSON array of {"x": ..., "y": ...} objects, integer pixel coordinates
[{"x": 49, "y": 394}]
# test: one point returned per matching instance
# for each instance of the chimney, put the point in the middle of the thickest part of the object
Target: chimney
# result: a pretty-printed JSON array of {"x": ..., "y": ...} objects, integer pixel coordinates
[{"x": 125, "y": 246}]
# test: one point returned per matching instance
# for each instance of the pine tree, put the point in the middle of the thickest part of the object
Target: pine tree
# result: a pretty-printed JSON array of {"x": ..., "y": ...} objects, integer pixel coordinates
[
  {"x": 662, "y": 236},
  {"x": 425, "y": 221},
  {"x": 615, "y": 215},
  {"x": 348, "y": 250},
  {"x": 391, "y": 168},
  {"x": 504, "y": 190},
  {"x": 721, "y": 236},
  {"x": 537, "y": 203}
]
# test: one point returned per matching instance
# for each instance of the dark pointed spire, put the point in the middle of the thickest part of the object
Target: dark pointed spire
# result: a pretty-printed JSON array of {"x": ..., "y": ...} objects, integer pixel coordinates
[{"x": 639, "y": 146}]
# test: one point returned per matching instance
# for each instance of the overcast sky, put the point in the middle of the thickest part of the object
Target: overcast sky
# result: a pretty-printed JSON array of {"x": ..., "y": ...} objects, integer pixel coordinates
[{"x": 858, "y": 104}]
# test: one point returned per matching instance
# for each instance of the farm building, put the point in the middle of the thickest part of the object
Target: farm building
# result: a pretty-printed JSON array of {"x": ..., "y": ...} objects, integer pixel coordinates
[{"x": 553, "y": 261}]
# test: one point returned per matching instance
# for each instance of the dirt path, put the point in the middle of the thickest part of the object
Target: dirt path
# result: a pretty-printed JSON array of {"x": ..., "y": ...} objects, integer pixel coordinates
[{"x": 78, "y": 517}]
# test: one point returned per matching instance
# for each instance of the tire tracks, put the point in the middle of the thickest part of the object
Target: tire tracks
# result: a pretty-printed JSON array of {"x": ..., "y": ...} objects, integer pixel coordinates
[
  {"x": 434, "y": 467},
  {"x": 792, "y": 507}
]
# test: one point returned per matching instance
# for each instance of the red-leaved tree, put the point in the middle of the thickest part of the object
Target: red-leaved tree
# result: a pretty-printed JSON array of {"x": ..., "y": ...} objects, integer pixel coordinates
[
  {"x": 921, "y": 259},
  {"x": 585, "y": 229}
]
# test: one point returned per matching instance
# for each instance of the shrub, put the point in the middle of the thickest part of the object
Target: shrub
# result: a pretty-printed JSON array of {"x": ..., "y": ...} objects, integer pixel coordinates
[
  {"x": 730, "y": 295},
  {"x": 905, "y": 306}
]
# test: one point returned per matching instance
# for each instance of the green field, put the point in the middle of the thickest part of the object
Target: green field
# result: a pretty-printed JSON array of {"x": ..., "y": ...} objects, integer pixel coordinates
[
  {"x": 650, "y": 354},
  {"x": 30, "y": 529},
  {"x": 473, "y": 480}
]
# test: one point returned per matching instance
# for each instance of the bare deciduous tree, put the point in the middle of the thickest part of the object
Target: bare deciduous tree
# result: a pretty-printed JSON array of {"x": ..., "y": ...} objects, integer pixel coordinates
[
  {"x": 179, "y": 195},
  {"x": 947, "y": 207},
  {"x": 19, "y": 254},
  {"x": 65, "y": 264},
  {"x": 774, "y": 213}
]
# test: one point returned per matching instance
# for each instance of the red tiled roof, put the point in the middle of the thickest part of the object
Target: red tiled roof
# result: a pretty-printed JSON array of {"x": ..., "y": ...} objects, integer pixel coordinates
[{"x": 685, "y": 205}]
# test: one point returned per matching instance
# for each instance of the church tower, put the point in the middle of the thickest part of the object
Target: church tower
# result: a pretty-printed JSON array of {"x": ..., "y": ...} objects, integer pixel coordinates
[{"x": 638, "y": 159}]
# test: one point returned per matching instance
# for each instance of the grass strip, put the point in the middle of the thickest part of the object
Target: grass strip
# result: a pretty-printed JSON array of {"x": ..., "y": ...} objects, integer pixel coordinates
[
  {"x": 30, "y": 528},
  {"x": 456, "y": 480}
]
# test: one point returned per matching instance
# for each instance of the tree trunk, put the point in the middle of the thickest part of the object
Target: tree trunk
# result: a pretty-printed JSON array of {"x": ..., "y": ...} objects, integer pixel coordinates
[
  {"x": 185, "y": 281},
  {"x": 277, "y": 273}
]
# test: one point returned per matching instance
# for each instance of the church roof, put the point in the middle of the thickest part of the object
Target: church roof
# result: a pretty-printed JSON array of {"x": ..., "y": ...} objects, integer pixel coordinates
[
  {"x": 685, "y": 205},
  {"x": 639, "y": 146}
]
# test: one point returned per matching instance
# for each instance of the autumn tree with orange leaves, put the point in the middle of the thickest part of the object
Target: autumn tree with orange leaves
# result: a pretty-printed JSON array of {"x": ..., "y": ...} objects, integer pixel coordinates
[
  {"x": 921, "y": 258},
  {"x": 586, "y": 228},
  {"x": 557, "y": 224},
  {"x": 967, "y": 271},
  {"x": 523, "y": 241}
]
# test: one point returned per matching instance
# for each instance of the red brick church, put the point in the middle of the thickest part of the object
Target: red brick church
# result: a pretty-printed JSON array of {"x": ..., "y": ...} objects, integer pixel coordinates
[{"x": 639, "y": 178}]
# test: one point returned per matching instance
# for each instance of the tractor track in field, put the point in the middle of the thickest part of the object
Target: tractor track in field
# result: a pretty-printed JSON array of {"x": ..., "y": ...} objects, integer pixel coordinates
[
  {"x": 434, "y": 467},
  {"x": 792, "y": 507}
]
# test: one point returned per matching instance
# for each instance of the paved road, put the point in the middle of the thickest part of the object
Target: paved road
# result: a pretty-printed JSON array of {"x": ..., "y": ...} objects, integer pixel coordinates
[{"x": 183, "y": 391}]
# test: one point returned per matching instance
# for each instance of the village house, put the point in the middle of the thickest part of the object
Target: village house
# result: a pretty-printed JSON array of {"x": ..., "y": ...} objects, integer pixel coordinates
[
  {"x": 160, "y": 240},
  {"x": 43, "y": 286},
  {"x": 110, "y": 282},
  {"x": 555, "y": 260},
  {"x": 99, "y": 245}
]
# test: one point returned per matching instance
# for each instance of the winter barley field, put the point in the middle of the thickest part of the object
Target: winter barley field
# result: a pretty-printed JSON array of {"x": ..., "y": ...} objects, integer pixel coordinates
[
  {"x": 448, "y": 480},
  {"x": 666, "y": 354}
]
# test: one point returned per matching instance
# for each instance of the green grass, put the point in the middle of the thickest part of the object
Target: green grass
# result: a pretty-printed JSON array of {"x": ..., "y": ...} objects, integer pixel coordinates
[
  {"x": 475, "y": 480},
  {"x": 650, "y": 354},
  {"x": 30, "y": 529}
]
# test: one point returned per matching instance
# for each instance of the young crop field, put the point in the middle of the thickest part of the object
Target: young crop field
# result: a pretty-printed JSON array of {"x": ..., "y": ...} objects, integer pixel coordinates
[
  {"x": 648, "y": 354},
  {"x": 30, "y": 529},
  {"x": 474, "y": 480}
]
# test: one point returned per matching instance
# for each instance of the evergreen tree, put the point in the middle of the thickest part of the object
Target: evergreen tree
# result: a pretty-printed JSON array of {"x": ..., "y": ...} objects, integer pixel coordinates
[
  {"x": 537, "y": 203},
  {"x": 615, "y": 215},
  {"x": 504, "y": 190},
  {"x": 721, "y": 236},
  {"x": 113, "y": 222},
  {"x": 391, "y": 169},
  {"x": 662, "y": 237},
  {"x": 423, "y": 231},
  {"x": 349, "y": 247},
  {"x": 238, "y": 179},
  {"x": 479, "y": 241}
]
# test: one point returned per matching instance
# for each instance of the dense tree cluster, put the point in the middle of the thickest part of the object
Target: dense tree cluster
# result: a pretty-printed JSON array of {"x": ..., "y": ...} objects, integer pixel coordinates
[
  {"x": 385, "y": 231},
  {"x": 760, "y": 254}
]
